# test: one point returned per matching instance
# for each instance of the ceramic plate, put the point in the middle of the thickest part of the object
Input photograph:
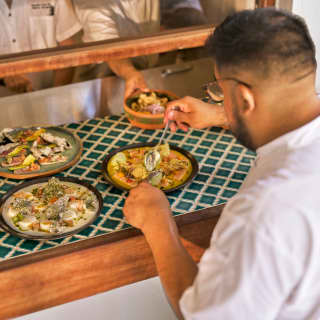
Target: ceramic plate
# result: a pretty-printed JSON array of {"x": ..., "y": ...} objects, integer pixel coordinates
[
  {"x": 188, "y": 155},
  {"x": 73, "y": 154},
  {"x": 6, "y": 223}
]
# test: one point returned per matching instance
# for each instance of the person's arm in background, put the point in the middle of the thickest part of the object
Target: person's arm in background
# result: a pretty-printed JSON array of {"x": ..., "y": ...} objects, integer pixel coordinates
[
  {"x": 21, "y": 83},
  {"x": 67, "y": 30},
  {"x": 64, "y": 76},
  {"x": 18, "y": 83},
  {"x": 152, "y": 215},
  {"x": 99, "y": 24},
  {"x": 133, "y": 78}
]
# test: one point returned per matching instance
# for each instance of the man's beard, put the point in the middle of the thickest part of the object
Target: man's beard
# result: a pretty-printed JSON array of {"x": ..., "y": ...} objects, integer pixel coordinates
[{"x": 240, "y": 129}]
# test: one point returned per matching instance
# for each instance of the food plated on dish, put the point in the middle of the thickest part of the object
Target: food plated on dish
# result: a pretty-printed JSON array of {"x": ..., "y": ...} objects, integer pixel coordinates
[
  {"x": 126, "y": 167},
  {"x": 50, "y": 208},
  {"x": 32, "y": 152},
  {"x": 150, "y": 102},
  {"x": 146, "y": 109}
]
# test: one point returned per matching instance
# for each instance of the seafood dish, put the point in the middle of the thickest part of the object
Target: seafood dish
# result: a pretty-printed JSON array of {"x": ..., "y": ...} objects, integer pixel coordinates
[
  {"x": 27, "y": 150},
  {"x": 49, "y": 208},
  {"x": 150, "y": 102},
  {"x": 129, "y": 167}
]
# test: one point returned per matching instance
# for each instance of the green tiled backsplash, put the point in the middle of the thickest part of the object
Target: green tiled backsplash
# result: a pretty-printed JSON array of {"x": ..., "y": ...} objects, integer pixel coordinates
[{"x": 222, "y": 161}]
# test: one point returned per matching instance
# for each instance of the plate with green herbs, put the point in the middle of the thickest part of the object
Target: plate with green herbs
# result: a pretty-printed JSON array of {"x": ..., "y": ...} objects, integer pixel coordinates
[{"x": 49, "y": 208}]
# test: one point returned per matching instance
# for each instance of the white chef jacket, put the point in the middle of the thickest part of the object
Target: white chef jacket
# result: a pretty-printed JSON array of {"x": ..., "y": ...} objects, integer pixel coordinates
[
  {"x": 36, "y": 24},
  {"x": 105, "y": 20},
  {"x": 264, "y": 257}
]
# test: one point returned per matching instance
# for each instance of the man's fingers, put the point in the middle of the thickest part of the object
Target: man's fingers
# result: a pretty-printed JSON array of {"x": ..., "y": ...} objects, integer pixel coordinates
[
  {"x": 183, "y": 126},
  {"x": 173, "y": 126},
  {"x": 139, "y": 189},
  {"x": 179, "y": 116},
  {"x": 180, "y": 104}
]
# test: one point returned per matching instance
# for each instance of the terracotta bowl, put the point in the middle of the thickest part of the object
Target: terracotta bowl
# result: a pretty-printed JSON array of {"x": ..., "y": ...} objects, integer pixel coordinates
[{"x": 145, "y": 120}]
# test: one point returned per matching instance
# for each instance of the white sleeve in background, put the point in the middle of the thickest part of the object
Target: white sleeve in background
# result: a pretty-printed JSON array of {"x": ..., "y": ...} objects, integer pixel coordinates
[
  {"x": 110, "y": 19},
  {"x": 97, "y": 23},
  {"x": 249, "y": 270},
  {"x": 67, "y": 24}
]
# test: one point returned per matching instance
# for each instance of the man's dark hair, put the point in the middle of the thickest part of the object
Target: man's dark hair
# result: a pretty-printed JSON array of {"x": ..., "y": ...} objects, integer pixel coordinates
[{"x": 266, "y": 41}]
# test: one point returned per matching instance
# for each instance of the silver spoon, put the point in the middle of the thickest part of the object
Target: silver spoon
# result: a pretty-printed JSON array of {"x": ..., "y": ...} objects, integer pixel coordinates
[{"x": 153, "y": 156}]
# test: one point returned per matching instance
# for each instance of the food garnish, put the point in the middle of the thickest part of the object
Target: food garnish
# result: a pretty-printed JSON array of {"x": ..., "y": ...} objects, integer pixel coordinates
[
  {"x": 150, "y": 102},
  {"x": 52, "y": 207}
]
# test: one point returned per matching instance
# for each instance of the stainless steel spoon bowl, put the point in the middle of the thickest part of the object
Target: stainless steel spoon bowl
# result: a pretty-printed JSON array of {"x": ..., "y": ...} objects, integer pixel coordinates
[{"x": 153, "y": 156}]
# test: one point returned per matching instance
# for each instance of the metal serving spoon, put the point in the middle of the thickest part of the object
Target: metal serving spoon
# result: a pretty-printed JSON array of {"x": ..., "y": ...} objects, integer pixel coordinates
[{"x": 153, "y": 156}]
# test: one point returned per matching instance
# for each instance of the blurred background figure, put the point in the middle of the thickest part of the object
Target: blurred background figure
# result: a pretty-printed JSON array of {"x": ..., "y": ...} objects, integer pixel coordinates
[
  {"x": 31, "y": 25},
  {"x": 181, "y": 13},
  {"x": 104, "y": 20}
]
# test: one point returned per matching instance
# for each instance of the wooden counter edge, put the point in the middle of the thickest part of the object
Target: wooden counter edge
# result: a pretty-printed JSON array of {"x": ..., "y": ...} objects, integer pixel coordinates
[
  {"x": 94, "y": 52},
  {"x": 59, "y": 275}
]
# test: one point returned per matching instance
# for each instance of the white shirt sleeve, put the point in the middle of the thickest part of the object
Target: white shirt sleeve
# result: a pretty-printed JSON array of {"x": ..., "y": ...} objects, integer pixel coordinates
[
  {"x": 67, "y": 24},
  {"x": 248, "y": 271},
  {"x": 98, "y": 23}
]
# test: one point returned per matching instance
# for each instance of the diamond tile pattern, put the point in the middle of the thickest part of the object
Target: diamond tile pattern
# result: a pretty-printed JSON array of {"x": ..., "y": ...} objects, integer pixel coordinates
[{"x": 223, "y": 164}]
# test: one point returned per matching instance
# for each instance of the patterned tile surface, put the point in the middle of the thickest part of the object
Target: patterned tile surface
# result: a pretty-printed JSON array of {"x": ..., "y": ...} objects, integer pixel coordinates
[{"x": 223, "y": 165}]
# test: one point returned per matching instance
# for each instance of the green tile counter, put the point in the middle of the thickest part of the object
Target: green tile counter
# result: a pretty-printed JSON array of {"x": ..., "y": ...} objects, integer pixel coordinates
[{"x": 223, "y": 164}]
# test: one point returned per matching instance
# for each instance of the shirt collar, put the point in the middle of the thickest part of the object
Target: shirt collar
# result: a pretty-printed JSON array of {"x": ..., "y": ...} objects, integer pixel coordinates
[{"x": 295, "y": 139}]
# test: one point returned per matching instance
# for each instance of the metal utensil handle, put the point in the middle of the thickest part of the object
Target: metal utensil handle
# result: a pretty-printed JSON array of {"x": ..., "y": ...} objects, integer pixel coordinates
[
  {"x": 175, "y": 108},
  {"x": 164, "y": 132},
  {"x": 174, "y": 70}
]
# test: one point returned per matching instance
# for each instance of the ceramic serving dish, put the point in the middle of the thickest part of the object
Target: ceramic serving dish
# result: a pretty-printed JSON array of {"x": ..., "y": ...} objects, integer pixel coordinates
[
  {"x": 147, "y": 120},
  {"x": 185, "y": 153},
  {"x": 7, "y": 224}
]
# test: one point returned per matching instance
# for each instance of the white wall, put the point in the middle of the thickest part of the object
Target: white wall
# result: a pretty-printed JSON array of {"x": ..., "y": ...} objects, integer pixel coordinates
[
  {"x": 310, "y": 11},
  {"x": 144, "y": 300}
]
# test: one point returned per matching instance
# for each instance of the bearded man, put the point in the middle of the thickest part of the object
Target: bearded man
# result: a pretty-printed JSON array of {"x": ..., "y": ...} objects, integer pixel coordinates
[{"x": 263, "y": 261}]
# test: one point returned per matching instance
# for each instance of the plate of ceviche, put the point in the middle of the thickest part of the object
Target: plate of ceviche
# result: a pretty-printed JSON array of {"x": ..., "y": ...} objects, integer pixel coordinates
[
  {"x": 49, "y": 208},
  {"x": 37, "y": 151}
]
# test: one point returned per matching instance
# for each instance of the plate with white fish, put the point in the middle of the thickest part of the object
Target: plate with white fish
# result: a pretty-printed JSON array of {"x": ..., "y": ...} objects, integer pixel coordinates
[
  {"x": 49, "y": 208},
  {"x": 37, "y": 151}
]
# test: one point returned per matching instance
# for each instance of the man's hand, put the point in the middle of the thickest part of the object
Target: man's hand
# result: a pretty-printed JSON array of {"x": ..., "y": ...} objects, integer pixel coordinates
[
  {"x": 195, "y": 113},
  {"x": 19, "y": 83},
  {"x": 135, "y": 83},
  {"x": 133, "y": 78},
  {"x": 147, "y": 208}
]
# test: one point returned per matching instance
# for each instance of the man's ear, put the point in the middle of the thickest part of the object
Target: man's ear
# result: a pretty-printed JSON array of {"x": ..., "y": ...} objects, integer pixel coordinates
[{"x": 246, "y": 99}]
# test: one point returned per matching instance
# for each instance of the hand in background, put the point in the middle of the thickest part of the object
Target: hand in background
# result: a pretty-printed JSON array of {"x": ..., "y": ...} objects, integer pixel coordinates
[
  {"x": 194, "y": 113},
  {"x": 147, "y": 208},
  {"x": 135, "y": 83},
  {"x": 19, "y": 83}
]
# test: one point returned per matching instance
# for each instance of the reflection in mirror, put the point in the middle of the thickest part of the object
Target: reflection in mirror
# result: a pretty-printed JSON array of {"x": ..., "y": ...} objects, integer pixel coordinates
[
  {"x": 102, "y": 20},
  {"x": 39, "y": 24},
  {"x": 181, "y": 13},
  {"x": 31, "y": 25}
]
